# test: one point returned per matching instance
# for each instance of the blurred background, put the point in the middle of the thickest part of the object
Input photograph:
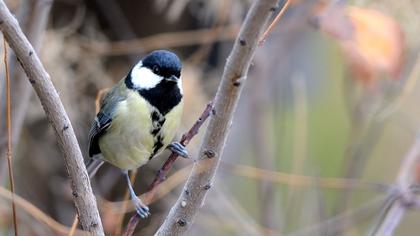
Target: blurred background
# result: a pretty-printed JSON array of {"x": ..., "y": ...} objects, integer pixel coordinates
[{"x": 328, "y": 113}]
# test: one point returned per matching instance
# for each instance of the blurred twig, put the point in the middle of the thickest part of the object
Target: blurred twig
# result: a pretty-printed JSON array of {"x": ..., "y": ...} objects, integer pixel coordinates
[
  {"x": 275, "y": 177},
  {"x": 205, "y": 47},
  {"x": 302, "y": 180},
  {"x": 181, "y": 215},
  {"x": 167, "y": 166},
  {"x": 300, "y": 130},
  {"x": 262, "y": 149},
  {"x": 338, "y": 224},
  {"x": 116, "y": 18},
  {"x": 366, "y": 131},
  {"x": 232, "y": 209},
  {"x": 363, "y": 139},
  {"x": 390, "y": 220},
  {"x": 33, "y": 17},
  {"x": 82, "y": 192},
  {"x": 9, "y": 136},
  {"x": 73, "y": 226},
  {"x": 36, "y": 212},
  {"x": 408, "y": 88},
  {"x": 165, "y": 40}
]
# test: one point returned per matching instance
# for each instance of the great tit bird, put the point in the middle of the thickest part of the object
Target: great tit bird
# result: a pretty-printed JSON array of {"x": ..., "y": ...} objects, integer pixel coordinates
[{"x": 138, "y": 118}]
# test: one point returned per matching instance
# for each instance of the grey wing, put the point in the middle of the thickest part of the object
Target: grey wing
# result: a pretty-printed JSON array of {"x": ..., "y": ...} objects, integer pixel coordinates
[
  {"x": 104, "y": 118},
  {"x": 99, "y": 126}
]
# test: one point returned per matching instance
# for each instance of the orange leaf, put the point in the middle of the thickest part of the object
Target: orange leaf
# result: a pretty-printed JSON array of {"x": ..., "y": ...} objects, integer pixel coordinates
[{"x": 372, "y": 41}]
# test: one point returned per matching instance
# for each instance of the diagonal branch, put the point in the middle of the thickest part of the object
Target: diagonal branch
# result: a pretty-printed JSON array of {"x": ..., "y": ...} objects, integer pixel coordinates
[
  {"x": 182, "y": 214},
  {"x": 402, "y": 198},
  {"x": 54, "y": 109},
  {"x": 185, "y": 140},
  {"x": 167, "y": 166}
]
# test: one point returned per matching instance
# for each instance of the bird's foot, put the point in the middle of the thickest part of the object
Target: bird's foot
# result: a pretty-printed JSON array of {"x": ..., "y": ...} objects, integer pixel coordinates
[
  {"x": 141, "y": 208},
  {"x": 178, "y": 149}
]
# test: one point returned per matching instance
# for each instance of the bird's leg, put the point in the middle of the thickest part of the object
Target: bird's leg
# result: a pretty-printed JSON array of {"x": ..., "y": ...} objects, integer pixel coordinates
[
  {"x": 178, "y": 149},
  {"x": 141, "y": 208}
]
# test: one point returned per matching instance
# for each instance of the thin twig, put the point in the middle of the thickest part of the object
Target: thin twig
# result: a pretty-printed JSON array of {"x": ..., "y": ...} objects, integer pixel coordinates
[
  {"x": 167, "y": 166},
  {"x": 182, "y": 214},
  {"x": 33, "y": 17},
  {"x": 9, "y": 137},
  {"x": 274, "y": 23},
  {"x": 35, "y": 212},
  {"x": 295, "y": 180},
  {"x": 406, "y": 90},
  {"x": 339, "y": 222},
  {"x": 39, "y": 78},
  {"x": 166, "y": 40},
  {"x": 263, "y": 150},
  {"x": 206, "y": 46},
  {"x": 185, "y": 140},
  {"x": 273, "y": 177},
  {"x": 390, "y": 220},
  {"x": 73, "y": 226}
]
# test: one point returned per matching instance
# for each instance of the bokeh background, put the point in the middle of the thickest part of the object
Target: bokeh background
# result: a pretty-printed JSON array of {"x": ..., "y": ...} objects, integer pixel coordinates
[{"x": 328, "y": 113}]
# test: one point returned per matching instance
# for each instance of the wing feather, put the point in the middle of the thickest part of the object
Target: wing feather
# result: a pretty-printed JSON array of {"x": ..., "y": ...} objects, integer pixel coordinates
[{"x": 104, "y": 117}]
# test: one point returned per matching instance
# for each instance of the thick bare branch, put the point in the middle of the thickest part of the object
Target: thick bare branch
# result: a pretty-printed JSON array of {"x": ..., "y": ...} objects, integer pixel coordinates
[
  {"x": 39, "y": 78},
  {"x": 236, "y": 69}
]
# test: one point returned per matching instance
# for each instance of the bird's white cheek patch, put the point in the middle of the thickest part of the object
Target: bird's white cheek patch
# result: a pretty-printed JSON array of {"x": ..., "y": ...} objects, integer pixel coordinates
[
  {"x": 144, "y": 78},
  {"x": 181, "y": 90}
]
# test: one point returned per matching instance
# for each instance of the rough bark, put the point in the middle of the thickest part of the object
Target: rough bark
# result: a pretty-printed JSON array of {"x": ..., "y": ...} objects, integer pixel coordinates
[
  {"x": 200, "y": 181},
  {"x": 39, "y": 78}
]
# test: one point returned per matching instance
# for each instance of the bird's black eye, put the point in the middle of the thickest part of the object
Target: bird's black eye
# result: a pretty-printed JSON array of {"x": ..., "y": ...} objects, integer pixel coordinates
[{"x": 156, "y": 69}]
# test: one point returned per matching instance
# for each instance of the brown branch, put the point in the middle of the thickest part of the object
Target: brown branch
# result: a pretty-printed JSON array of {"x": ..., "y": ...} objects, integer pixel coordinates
[
  {"x": 167, "y": 166},
  {"x": 9, "y": 137},
  {"x": 33, "y": 17},
  {"x": 39, "y": 78},
  {"x": 33, "y": 211},
  {"x": 182, "y": 214},
  {"x": 274, "y": 23},
  {"x": 185, "y": 140},
  {"x": 167, "y": 40}
]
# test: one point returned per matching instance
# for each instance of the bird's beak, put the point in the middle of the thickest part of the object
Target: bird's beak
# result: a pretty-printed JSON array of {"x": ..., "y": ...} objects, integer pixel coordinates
[{"x": 173, "y": 78}]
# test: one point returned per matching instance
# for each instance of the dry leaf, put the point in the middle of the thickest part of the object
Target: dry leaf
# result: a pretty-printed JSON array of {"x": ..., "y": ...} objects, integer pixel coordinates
[{"x": 372, "y": 41}]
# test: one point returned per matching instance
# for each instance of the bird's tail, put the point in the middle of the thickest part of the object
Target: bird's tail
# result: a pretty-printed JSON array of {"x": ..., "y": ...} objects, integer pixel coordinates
[{"x": 92, "y": 166}]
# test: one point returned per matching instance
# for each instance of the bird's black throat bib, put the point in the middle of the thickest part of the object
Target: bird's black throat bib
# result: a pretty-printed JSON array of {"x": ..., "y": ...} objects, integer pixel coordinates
[{"x": 165, "y": 96}]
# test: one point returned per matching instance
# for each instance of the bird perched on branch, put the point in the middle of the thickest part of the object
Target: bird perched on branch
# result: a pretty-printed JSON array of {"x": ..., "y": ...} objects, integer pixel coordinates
[{"x": 138, "y": 118}]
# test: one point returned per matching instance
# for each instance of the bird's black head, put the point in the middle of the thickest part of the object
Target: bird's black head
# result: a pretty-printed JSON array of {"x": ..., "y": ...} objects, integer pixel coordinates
[
  {"x": 163, "y": 63},
  {"x": 157, "y": 78}
]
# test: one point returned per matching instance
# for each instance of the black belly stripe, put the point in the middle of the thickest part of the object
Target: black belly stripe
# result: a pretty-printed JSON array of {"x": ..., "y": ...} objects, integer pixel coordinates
[
  {"x": 157, "y": 146},
  {"x": 157, "y": 122}
]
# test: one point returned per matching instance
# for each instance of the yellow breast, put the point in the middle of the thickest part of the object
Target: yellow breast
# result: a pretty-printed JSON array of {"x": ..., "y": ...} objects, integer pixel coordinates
[{"x": 129, "y": 142}]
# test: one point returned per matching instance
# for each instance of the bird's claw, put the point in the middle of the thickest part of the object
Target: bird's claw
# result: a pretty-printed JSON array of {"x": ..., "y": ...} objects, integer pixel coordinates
[
  {"x": 178, "y": 149},
  {"x": 141, "y": 209}
]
